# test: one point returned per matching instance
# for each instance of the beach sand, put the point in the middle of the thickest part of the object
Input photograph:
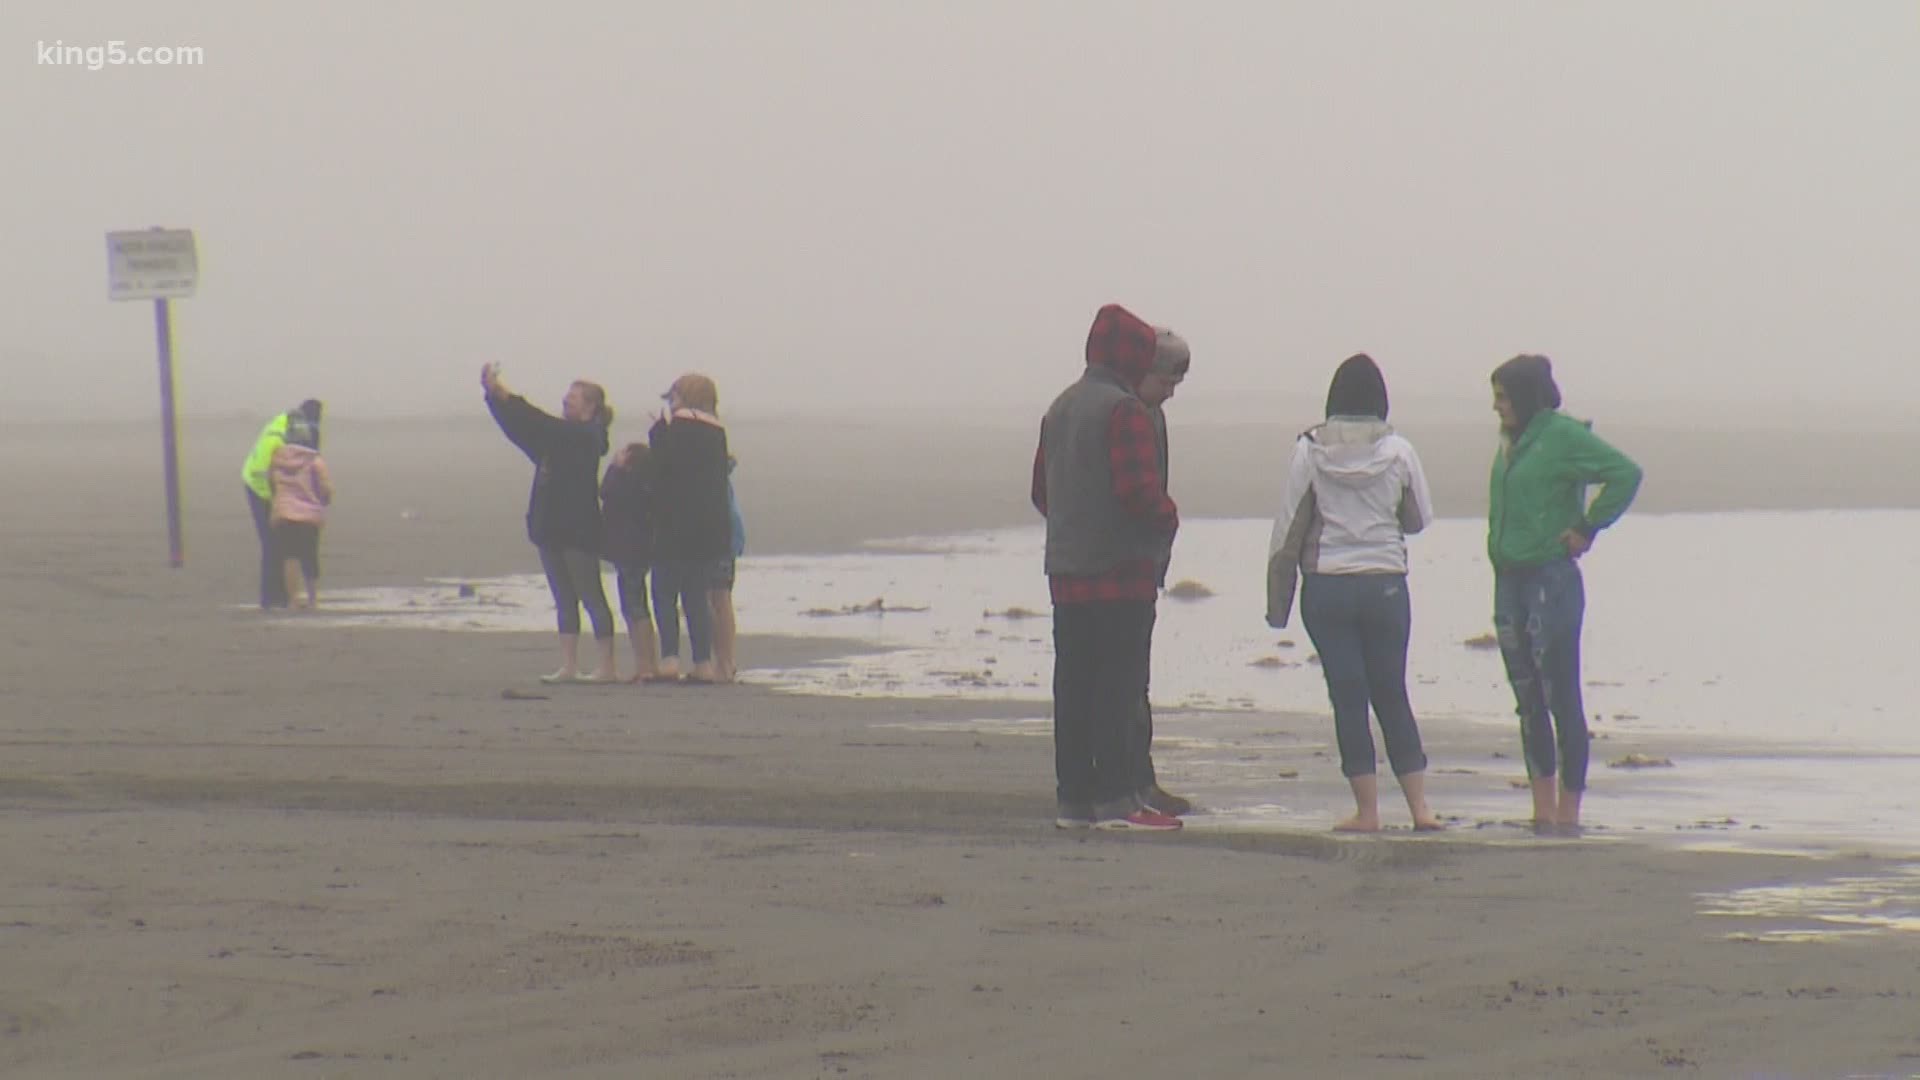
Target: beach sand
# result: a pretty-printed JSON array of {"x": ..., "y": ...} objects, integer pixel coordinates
[{"x": 246, "y": 846}]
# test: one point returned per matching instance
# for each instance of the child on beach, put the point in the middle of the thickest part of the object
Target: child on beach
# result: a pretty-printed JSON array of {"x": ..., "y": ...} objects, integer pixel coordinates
[
  {"x": 301, "y": 492},
  {"x": 625, "y": 494},
  {"x": 720, "y": 595}
]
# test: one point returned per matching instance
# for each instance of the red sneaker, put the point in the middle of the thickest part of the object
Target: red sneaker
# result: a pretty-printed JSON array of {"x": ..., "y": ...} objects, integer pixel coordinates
[{"x": 1141, "y": 820}]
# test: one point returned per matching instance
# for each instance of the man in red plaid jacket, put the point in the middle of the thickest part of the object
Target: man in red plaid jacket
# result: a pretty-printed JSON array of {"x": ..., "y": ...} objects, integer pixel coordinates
[{"x": 1100, "y": 479}]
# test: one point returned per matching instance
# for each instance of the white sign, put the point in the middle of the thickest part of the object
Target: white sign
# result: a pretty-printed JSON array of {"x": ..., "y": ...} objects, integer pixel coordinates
[{"x": 148, "y": 264}]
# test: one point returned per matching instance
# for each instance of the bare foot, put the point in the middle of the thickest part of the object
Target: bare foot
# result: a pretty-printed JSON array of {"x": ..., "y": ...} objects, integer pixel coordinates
[
  {"x": 1427, "y": 822},
  {"x": 1568, "y": 817},
  {"x": 1358, "y": 823},
  {"x": 564, "y": 675}
]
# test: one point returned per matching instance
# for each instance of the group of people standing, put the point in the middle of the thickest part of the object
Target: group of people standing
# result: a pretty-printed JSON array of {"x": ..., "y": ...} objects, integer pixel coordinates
[
  {"x": 664, "y": 514},
  {"x": 1353, "y": 491},
  {"x": 288, "y": 492}
]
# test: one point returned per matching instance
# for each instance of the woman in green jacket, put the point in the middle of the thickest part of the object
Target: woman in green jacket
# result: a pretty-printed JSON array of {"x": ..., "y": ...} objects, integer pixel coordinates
[{"x": 1539, "y": 524}]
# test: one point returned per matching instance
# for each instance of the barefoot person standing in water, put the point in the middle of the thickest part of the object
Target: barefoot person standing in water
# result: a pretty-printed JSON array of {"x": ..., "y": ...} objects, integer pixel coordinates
[
  {"x": 1354, "y": 491},
  {"x": 563, "y": 511},
  {"x": 1539, "y": 524},
  {"x": 626, "y": 497}
]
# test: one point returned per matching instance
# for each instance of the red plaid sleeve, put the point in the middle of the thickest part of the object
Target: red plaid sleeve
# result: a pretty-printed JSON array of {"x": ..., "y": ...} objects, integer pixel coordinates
[
  {"x": 1138, "y": 580},
  {"x": 1040, "y": 476},
  {"x": 1138, "y": 483}
]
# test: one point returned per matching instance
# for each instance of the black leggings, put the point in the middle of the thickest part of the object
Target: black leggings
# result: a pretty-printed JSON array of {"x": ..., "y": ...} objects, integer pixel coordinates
[
  {"x": 574, "y": 577},
  {"x": 300, "y": 541},
  {"x": 631, "y": 582}
]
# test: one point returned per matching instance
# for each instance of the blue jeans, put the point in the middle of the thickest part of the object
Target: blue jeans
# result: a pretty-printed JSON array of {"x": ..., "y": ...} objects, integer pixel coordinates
[
  {"x": 1537, "y": 612},
  {"x": 1361, "y": 624},
  {"x": 678, "y": 583}
]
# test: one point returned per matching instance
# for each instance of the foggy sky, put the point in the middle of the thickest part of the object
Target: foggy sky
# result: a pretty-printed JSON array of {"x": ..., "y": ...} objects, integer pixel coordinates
[{"x": 916, "y": 207}]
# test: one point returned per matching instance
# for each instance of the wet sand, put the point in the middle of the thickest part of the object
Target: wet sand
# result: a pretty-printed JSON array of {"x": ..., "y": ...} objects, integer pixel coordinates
[{"x": 247, "y": 847}]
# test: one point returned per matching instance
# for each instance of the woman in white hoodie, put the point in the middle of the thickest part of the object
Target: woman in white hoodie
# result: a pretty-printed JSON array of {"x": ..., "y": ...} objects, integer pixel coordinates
[{"x": 1354, "y": 491}]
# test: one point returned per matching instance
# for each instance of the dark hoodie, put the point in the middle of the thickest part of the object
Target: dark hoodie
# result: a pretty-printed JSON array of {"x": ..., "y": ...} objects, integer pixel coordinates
[
  {"x": 1099, "y": 473},
  {"x": 563, "y": 510},
  {"x": 626, "y": 498},
  {"x": 1123, "y": 344},
  {"x": 692, "y": 522}
]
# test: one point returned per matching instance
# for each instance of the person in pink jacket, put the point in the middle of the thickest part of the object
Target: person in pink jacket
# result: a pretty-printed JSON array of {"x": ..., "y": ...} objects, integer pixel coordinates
[{"x": 302, "y": 491}]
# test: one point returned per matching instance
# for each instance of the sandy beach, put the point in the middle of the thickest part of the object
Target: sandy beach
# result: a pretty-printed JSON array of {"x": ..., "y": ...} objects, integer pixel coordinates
[{"x": 242, "y": 846}]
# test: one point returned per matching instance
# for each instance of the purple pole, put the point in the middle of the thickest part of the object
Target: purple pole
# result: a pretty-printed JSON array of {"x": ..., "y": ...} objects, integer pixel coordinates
[{"x": 163, "y": 330}]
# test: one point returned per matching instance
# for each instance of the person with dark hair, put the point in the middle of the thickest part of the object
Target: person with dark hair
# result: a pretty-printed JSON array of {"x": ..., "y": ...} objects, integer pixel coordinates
[
  {"x": 626, "y": 509},
  {"x": 255, "y": 474},
  {"x": 694, "y": 539},
  {"x": 1539, "y": 524},
  {"x": 1099, "y": 478},
  {"x": 563, "y": 510},
  {"x": 1354, "y": 491}
]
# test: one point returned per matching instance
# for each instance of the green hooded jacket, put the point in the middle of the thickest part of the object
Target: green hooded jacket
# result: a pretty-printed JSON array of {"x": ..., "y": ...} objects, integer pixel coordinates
[{"x": 1539, "y": 488}]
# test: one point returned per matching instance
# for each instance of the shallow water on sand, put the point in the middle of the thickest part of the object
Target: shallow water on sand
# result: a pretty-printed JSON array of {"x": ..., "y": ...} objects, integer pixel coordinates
[{"x": 1772, "y": 646}]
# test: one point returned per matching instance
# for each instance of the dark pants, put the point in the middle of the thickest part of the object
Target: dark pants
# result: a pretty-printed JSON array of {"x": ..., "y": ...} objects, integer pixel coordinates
[
  {"x": 1101, "y": 654},
  {"x": 630, "y": 582},
  {"x": 300, "y": 541},
  {"x": 1144, "y": 778},
  {"x": 273, "y": 586},
  {"x": 574, "y": 577},
  {"x": 1361, "y": 624},
  {"x": 684, "y": 583},
  {"x": 1537, "y": 613}
]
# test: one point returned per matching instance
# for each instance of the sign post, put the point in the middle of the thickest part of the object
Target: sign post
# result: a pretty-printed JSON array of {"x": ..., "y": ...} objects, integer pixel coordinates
[{"x": 158, "y": 264}]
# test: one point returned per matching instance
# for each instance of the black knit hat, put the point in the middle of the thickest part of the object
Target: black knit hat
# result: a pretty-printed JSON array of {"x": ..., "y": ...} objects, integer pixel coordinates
[{"x": 1528, "y": 381}]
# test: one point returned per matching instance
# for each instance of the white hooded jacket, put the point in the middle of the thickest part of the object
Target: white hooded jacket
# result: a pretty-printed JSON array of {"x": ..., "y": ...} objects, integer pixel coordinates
[{"x": 1354, "y": 492}]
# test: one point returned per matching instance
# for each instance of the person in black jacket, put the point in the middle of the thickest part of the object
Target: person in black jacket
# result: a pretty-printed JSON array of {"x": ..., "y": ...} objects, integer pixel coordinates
[
  {"x": 693, "y": 537},
  {"x": 626, "y": 500},
  {"x": 563, "y": 511}
]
